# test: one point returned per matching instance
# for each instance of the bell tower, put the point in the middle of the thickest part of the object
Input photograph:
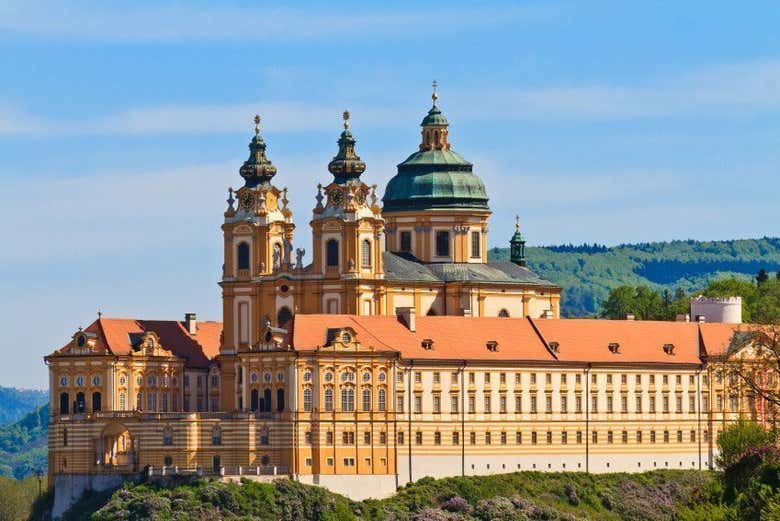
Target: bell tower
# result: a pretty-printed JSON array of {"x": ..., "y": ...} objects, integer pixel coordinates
[
  {"x": 258, "y": 234},
  {"x": 347, "y": 231}
]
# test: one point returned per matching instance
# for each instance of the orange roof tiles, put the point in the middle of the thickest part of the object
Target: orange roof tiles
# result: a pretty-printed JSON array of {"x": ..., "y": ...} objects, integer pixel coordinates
[
  {"x": 587, "y": 340},
  {"x": 716, "y": 337},
  {"x": 454, "y": 338},
  {"x": 116, "y": 334}
]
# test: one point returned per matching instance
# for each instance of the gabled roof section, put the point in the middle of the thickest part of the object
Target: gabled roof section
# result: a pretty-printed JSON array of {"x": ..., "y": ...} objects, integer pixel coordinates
[
  {"x": 717, "y": 337},
  {"x": 621, "y": 341},
  {"x": 453, "y": 338},
  {"x": 120, "y": 335}
]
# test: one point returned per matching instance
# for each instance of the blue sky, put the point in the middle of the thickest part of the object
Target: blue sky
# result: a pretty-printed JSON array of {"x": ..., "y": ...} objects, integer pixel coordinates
[{"x": 122, "y": 124}]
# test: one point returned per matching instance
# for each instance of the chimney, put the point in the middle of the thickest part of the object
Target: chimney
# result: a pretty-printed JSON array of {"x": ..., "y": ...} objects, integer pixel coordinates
[
  {"x": 630, "y": 316},
  {"x": 191, "y": 323},
  {"x": 548, "y": 313},
  {"x": 407, "y": 314}
]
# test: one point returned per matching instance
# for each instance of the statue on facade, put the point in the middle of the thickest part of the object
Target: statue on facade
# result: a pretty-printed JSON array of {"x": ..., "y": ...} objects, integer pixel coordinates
[{"x": 299, "y": 253}]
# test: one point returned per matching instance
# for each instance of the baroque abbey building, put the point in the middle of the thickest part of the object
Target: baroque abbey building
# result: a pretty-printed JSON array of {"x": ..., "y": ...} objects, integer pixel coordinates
[{"x": 398, "y": 352}]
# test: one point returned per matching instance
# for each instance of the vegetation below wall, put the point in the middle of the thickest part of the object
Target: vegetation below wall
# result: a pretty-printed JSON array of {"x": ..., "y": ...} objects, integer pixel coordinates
[
  {"x": 520, "y": 496},
  {"x": 589, "y": 272},
  {"x": 23, "y": 445}
]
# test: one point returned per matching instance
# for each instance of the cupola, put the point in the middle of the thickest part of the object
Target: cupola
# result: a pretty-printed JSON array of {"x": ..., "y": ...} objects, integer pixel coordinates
[
  {"x": 257, "y": 169},
  {"x": 346, "y": 165},
  {"x": 435, "y": 177},
  {"x": 517, "y": 245}
]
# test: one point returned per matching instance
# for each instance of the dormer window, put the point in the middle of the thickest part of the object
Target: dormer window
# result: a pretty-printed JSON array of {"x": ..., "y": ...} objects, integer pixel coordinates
[
  {"x": 427, "y": 344},
  {"x": 614, "y": 347},
  {"x": 81, "y": 340},
  {"x": 492, "y": 345},
  {"x": 669, "y": 349},
  {"x": 346, "y": 337},
  {"x": 554, "y": 346}
]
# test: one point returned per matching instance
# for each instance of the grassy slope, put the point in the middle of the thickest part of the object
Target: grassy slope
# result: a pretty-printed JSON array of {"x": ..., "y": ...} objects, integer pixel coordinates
[
  {"x": 650, "y": 496},
  {"x": 587, "y": 274}
]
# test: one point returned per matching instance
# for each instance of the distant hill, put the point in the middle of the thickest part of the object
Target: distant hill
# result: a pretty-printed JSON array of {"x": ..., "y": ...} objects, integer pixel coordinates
[
  {"x": 23, "y": 445},
  {"x": 15, "y": 403},
  {"x": 588, "y": 272}
]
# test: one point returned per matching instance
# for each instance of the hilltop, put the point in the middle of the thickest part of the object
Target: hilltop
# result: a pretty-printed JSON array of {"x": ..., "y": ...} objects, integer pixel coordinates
[{"x": 588, "y": 272}]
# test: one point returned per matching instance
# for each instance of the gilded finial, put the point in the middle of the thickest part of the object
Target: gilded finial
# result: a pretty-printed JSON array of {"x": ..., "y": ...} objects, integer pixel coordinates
[
  {"x": 257, "y": 124},
  {"x": 434, "y": 96},
  {"x": 517, "y": 223},
  {"x": 346, "y": 120}
]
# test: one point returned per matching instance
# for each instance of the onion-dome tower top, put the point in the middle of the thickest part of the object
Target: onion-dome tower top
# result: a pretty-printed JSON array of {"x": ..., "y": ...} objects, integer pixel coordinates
[
  {"x": 346, "y": 164},
  {"x": 435, "y": 177},
  {"x": 257, "y": 169}
]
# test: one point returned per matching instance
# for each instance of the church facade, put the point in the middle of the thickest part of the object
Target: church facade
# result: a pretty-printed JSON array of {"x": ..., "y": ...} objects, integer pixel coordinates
[{"x": 398, "y": 352}]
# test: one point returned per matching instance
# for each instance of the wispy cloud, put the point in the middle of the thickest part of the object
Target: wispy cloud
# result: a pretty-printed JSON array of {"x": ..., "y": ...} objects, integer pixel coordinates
[
  {"x": 724, "y": 90},
  {"x": 190, "y": 21}
]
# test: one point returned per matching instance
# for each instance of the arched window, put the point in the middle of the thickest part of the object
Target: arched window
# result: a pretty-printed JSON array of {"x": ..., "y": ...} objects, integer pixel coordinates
[
  {"x": 382, "y": 399},
  {"x": 283, "y": 316},
  {"x": 347, "y": 399},
  {"x": 366, "y": 399},
  {"x": 267, "y": 400},
  {"x": 280, "y": 400},
  {"x": 96, "y": 401},
  {"x": 123, "y": 401},
  {"x": 332, "y": 252},
  {"x": 503, "y": 313},
  {"x": 64, "y": 403},
  {"x": 216, "y": 436},
  {"x": 81, "y": 404},
  {"x": 255, "y": 400},
  {"x": 168, "y": 435},
  {"x": 264, "y": 437},
  {"x": 307, "y": 399},
  {"x": 365, "y": 254},
  {"x": 329, "y": 400},
  {"x": 138, "y": 402},
  {"x": 243, "y": 256}
]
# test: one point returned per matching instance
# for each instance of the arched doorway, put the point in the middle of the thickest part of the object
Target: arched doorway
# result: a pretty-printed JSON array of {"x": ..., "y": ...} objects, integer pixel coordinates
[
  {"x": 116, "y": 447},
  {"x": 64, "y": 403},
  {"x": 255, "y": 400},
  {"x": 267, "y": 400},
  {"x": 280, "y": 400},
  {"x": 96, "y": 402},
  {"x": 283, "y": 316}
]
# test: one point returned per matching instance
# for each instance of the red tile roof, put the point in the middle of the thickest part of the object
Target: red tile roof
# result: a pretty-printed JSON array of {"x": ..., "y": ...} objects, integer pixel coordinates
[
  {"x": 716, "y": 337},
  {"x": 454, "y": 338},
  {"x": 639, "y": 341},
  {"x": 117, "y": 334}
]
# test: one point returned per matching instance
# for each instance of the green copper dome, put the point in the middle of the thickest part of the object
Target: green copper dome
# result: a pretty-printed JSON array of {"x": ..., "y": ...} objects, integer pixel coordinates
[{"x": 435, "y": 177}]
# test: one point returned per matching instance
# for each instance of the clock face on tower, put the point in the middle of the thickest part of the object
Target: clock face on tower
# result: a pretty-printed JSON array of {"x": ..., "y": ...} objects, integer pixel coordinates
[
  {"x": 247, "y": 200},
  {"x": 336, "y": 198}
]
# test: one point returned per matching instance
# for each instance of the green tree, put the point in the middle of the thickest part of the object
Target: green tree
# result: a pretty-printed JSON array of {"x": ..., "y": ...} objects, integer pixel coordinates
[
  {"x": 762, "y": 276},
  {"x": 738, "y": 437}
]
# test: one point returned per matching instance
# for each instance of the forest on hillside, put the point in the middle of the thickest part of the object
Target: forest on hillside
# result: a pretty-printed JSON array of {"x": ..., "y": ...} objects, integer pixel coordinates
[{"x": 588, "y": 272}]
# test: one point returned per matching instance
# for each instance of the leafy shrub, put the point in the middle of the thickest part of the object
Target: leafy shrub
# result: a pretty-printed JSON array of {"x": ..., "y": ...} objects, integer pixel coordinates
[{"x": 738, "y": 438}]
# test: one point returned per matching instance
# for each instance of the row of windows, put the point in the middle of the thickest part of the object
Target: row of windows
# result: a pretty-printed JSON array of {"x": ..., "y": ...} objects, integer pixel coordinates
[
  {"x": 347, "y": 400},
  {"x": 80, "y": 381},
  {"x": 332, "y": 253},
  {"x": 503, "y": 437},
  {"x": 487, "y": 404},
  {"x": 347, "y": 375},
  {"x": 348, "y": 462},
  {"x": 442, "y": 243},
  {"x": 564, "y": 378}
]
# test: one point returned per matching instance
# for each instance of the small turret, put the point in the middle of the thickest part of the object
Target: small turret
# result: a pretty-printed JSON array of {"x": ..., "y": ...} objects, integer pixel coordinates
[
  {"x": 346, "y": 164},
  {"x": 435, "y": 127},
  {"x": 257, "y": 169},
  {"x": 517, "y": 245}
]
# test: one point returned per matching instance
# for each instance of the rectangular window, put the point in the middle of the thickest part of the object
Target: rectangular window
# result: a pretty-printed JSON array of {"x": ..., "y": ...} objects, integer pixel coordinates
[
  {"x": 518, "y": 404},
  {"x": 533, "y": 438},
  {"x": 503, "y": 438},
  {"x": 549, "y": 437},
  {"x": 454, "y": 404},
  {"x": 533, "y": 403},
  {"x": 329, "y": 438},
  {"x": 578, "y": 379},
  {"x": 348, "y": 438},
  {"x": 638, "y": 404},
  {"x": 487, "y": 404},
  {"x": 436, "y": 377},
  {"x": 564, "y": 437},
  {"x": 594, "y": 403},
  {"x": 519, "y": 437},
  {"x": 406, "y": 241},
  {"x": 349, "y": 462},
  {"x": 652, "y": 436},
  {"x": 533, "y": 378},
  {"x": 639, "y": 436},
  {"x": 400, "y": 437},
  {"x": 578, "y": 403},
  {"x": 624, "y": 404},
  {"x": 609, "y": 404},
  {"x": 442, "y": 244},
  {"x": 367, "y": 438},
  {"x": 472, "y": 438},
  {"x": 487, "y": 438},
  {"x": 624, "y": 436},
  {"x": 502, "y": 378},
  {"x": 487, "y": 378},
  {"x": 609, "y": 436},
  {"x": 417, "y": 377},
  {"x": 678, "y": 403},
  {"x": 418, "y": 438},
  {"x": 691, "y": 403},
  {"x": 476, "y": 251},
  {"x": 472, "y": 401},
  {"x": 693, "y": 436},
  {"x": 666, "y": 402},
  {"x": 517, "y": 378},
  {"x": 579, "y": 437},
  {"x": 679, "y": 436},
  {"x": 454, "y": 378},
  {"x": 437, "y": 438},
  {"x": 436, "y": 404},
  {"x": 548, "y": 404},
  {"x": 382, "y": 438},
  {"x": 652, "y": 404},
  {"x": 594, "y": 438},
  {"x": 623, "y": 379},
  {"x": 418, "y": 404},
  {"x": 502, "y": 404},
  {"x": 399, "y": 403},
  {"x": 456, "y": 438},
  {"x": 564, "y": 404},
  {"x": 666, "y": 436}
]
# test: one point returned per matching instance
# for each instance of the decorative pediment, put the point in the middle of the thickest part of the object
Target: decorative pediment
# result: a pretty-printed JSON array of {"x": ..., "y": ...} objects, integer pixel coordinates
[
  {"x": 81, "y": 343},
  {"x": 344, "y": 339},
  {"x": 242, "y": 230},
  {"x": 147, "y": 344}
]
